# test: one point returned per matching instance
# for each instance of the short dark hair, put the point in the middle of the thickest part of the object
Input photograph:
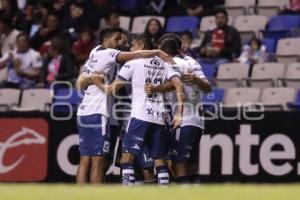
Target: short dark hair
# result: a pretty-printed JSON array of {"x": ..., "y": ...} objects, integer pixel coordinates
[
  {"x": 108, "y": 32},
  {"x": 221, "y": 10},
  {"x": 172, "y": 36},
  {"x": 145, "y": 40},
  {"x": 170, "y": 46}
]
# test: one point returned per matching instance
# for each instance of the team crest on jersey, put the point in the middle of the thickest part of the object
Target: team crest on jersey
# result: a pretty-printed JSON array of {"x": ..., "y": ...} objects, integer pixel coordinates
[
  {"x": 155, "y": 62},
  {"x": 175, "y": 67}
]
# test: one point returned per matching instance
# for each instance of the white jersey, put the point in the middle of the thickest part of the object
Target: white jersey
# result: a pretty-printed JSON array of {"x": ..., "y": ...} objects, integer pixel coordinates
[
  {"x": 95, "y": 101},
  {"x": 29, "y": 61},
  {"x": 153, "y": 70},
  {"x": 192, "y": 93}
]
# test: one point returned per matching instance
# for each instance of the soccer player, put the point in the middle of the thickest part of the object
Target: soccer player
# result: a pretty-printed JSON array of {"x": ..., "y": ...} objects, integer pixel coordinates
[
  {"x": 147, "y": 123},
  {"x": 93, "y": 112},
  {"x": 144, "y": 161},
  {"x": 185, "y": 139}
]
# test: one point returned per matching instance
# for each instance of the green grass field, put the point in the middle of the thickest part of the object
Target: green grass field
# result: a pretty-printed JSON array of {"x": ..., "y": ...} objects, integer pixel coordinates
[{"x": 111, "y": 192}]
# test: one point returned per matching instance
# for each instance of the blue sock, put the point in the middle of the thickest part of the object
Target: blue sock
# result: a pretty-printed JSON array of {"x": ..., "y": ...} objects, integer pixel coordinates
[
  {"x": 162, "y": 175},
  {"x": 127, "y": 174}
]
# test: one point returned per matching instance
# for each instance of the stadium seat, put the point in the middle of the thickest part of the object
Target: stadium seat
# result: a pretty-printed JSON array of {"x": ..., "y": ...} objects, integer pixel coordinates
[
  {"x": 288, "y": 50},
  {"x": 230, "y": 75},
  {"x": 209, "y": 70},
  {"x": 265, "y": 75},
  {"x": 125, "y": 23},
  {"x": 8, "y": 98},
  {"x": 270, "y": 44},
  {"x": 292, "y": 76},
  {"x": 182, "y": 23},
  {"x": 249, "y": 26},
  {"x": 296, "y": 104},
  {"x": 65, "y": 98},
  {"x": 238, "y": 7},
  {"x": 139, "y": 23},
  {"x": 270, "y": 8},
  {"x": 209, "y": 23},
  {"x": 236, "y": 97},
  {"x": 281, "y": 26},
  {"x": 3, "y": 74},
  {"x": 277, "y": 98},
  {"x": 34, "y": 100},
  {"x": 213, "y": 99}
]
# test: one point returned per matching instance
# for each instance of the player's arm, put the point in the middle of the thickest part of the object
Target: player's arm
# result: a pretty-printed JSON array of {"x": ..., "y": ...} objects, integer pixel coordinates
[
  {"x": 84, "y": 81},
  {"x": 165, "y": 87},
  {"x": 202, "y": 83},
  {"x": 177, "y": 121},
  {"x": 109, "y": 89},
  {"x": 127, "y": 56}
]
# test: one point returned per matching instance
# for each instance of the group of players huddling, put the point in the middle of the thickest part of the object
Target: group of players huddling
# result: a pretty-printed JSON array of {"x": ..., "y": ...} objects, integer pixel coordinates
[{"x": 162, "y": 134}]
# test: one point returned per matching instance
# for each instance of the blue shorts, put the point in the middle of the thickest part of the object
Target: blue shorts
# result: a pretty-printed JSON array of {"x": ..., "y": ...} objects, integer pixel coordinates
[
  {"x": 143, "y": 160},
  {"x": 93, "y": 135},
  {"x": 185, "y": 144},
  {"x": 141, "y": 133}
]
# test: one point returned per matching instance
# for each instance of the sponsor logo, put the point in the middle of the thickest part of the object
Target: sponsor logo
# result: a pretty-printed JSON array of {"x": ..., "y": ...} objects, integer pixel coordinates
[{"x": 23, "y": 149}]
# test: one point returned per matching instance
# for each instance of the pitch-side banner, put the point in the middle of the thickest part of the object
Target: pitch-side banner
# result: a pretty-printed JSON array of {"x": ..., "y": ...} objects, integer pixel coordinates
[{"x": 37, "y": 147}]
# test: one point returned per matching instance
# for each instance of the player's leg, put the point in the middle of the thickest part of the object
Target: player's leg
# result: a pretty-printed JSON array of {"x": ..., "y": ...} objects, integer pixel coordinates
[
  {"x": 83, "y": 170},
  {"x": 158, "y": 149},
  {"x": 94, "y": 143},
  {"x": 98, "y": 168},
  {"x": 193, "y": 164},
  {"x": 182, "y": 145},
  {"x": 133, "y": 142},
  {"x": 146, "y": 163},
  {"x": 84, "y": 167}
]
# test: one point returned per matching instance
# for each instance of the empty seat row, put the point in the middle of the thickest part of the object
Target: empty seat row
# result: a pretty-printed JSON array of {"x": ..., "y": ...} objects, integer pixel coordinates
[
  {"x": 269, "y": 98},
  {"x": 263, "y": 75},
  {"x": 267, "y": 8},
  {"x": 172, "y": 24},
  {"x": 38, "y": 99}
]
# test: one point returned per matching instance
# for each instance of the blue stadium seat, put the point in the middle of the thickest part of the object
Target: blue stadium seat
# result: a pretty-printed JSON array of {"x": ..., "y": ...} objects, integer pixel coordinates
[
  {"x": 270, "y": 44},
  {"x": 281, "y": 26},
  {"x": 130, "y": 5},
  {"x": 209, "y": 70},
  {"x": 216, "y": 96},
  {"x": 295, "y": 105},
  {"x": 64, "y": 98},
  {"x": 182, "y": 23}
]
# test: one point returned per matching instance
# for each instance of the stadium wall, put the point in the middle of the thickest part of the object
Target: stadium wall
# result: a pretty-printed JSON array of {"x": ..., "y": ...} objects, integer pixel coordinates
[{"x": 34, "y": 147}]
